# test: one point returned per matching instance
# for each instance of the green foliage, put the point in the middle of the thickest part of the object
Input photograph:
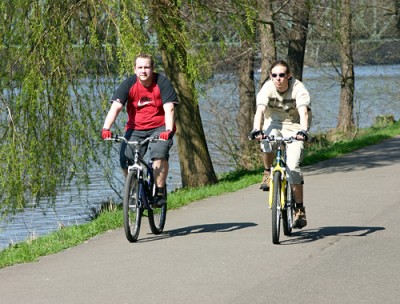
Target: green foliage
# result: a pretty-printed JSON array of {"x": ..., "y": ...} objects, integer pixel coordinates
[{"x": 54, "y": 55}]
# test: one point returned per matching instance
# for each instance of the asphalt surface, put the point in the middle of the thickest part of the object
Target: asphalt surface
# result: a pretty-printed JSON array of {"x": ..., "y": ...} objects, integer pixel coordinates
[{"x": 219, "y": 250}]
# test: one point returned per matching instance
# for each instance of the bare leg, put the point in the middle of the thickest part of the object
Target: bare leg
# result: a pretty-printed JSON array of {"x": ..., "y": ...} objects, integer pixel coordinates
[
  {"x": 161, "y": 168},
  {"x": 298, "y": 193},
  {"x": 266, "y": 179},
  {"x": 267, "y": 158},
  {"x": 160, "y": 171}
]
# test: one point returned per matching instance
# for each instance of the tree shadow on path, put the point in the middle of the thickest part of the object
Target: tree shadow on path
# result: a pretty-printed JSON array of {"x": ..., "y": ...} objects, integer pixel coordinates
[{"x": 312, "y": 235}]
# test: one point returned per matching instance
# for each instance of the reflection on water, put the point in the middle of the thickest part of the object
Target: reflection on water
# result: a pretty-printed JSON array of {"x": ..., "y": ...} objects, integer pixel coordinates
[{"x": 75, "y": 207}]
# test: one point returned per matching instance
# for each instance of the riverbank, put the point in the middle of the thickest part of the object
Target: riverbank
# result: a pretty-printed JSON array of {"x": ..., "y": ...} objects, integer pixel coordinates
[{"x": 324, "y": 146}]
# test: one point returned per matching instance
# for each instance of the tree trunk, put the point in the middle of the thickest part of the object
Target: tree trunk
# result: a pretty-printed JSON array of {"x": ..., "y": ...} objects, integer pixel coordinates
[
  {"x": 346, "y": 118},
  {"x": 267, "y": 38},
  {"x": 194, "y": 158},
  {"x": 246, "y": 103},
  {"x": 298, "y": 38}
]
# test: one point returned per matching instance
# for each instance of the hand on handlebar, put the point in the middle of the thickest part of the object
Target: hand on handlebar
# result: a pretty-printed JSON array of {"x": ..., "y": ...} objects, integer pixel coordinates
[
  {"x": 168, "y": 134},
  {"x": 255, "y": 134},
  {"x": 302, "y": 135},
  {"x": 106, "y": 133}
]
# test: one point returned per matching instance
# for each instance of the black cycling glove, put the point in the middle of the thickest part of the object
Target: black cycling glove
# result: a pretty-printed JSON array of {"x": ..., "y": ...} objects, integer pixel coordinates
[
  {"x": 304, "y": 133},
  {"x": 253, "y": 134}
]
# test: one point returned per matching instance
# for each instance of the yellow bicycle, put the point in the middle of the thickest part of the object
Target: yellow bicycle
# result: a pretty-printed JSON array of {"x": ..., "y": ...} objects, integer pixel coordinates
[{"x": 280, "y": 200}]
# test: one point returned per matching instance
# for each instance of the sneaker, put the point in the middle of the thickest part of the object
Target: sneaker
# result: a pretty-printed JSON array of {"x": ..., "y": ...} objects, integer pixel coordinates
[
  {"x": 159, "y": 201},
  {"x": 266, "y": 181},
  {"x": 160, "y": 198},
  {"x": 300, "y": 219}
]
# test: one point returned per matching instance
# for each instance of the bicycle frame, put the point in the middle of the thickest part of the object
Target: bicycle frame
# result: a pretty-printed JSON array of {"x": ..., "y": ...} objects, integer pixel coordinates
[
  {"x": 280, "y": 165},
  {"x": 145, "y": 185},
  {"x": 144, "y": 192}
]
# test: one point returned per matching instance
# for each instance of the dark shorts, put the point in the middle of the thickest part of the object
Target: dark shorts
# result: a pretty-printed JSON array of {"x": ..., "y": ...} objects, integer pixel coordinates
[{"x": 156, "y": 150}]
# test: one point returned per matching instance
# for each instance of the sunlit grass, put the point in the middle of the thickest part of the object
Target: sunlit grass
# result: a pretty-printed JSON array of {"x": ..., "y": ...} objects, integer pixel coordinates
[
  {"x": 111, "y": 217},
  {"x": 325, "y": 148}
]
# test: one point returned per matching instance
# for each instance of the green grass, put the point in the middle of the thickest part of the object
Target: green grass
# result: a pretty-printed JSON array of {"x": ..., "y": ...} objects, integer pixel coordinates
[
  {"x": 322, "y": 148},
  {"x": 325, "y": 148}
]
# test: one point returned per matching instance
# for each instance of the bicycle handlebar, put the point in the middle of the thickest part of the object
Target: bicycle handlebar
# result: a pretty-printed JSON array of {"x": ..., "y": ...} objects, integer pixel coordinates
[
  {"x": 272, "y": 138},
  {"x": 254, "y": 134},
  {"x": 118, "y": 138}
]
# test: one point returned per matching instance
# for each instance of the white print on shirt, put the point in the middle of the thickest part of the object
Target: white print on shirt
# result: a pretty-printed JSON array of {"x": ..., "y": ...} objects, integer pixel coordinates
[{"x": 144, "y": 101}]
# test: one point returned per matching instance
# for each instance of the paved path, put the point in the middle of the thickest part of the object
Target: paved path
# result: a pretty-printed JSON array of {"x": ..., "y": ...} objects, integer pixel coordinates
[{"x": 219, "y": 250}]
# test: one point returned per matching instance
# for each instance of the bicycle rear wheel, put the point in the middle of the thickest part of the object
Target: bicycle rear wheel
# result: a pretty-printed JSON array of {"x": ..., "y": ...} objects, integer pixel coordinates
[
  {"x": 288, "y": 212},
  {"x": 276, "y": 207},
  {"x": 132, "y": 211},
  {"x": 157, "y": 217}
]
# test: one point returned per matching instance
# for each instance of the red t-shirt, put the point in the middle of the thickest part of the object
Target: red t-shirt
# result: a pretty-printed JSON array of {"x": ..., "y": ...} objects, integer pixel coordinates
[{"x": 144, "y": 105}]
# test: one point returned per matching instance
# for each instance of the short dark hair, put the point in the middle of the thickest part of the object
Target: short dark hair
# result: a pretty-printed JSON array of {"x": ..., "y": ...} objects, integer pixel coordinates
[
  {"x": 147, "y": 56},
  {"x": 282, "y": 63}
]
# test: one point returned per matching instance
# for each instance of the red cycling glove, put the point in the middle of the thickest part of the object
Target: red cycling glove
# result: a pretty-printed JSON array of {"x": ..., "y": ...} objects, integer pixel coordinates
[
  {"x": 166, "y": 135},
  {"x": 106, "y": 133}
]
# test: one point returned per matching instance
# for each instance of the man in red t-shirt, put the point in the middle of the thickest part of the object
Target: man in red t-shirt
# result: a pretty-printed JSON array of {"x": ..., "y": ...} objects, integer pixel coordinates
[{"x": 150, "y": 99}]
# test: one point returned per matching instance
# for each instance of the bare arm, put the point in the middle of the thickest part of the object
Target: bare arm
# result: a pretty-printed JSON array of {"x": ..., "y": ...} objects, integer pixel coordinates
[
  {"x": 303, "y": 134},
  {"x": 259, "y": 117},
  {"x": 169, "y": 109},
  {"x": 116, "y": 107},
  {"x": 303, "y": 112}
]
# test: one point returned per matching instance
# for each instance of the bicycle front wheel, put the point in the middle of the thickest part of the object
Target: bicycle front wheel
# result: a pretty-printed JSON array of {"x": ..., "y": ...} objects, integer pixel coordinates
[
  {"x": 157, "y": 217},
  {"x": 132, "y": 211},
  {"x": 276, "y": 207}
]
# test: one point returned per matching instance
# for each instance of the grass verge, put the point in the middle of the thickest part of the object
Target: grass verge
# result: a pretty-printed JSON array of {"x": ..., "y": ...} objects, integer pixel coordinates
[{"x": 325, "y": 146}]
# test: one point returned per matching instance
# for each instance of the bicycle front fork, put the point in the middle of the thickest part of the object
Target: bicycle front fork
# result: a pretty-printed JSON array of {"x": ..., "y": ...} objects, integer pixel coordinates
[{"x": 283, "y": 182}]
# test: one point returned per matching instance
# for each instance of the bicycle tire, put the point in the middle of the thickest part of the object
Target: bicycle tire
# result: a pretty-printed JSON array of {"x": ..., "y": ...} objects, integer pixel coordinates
[
  {"x": 276, "y": 207},
  {"x": 288, "y": 212},
  {"x": 157, "y": 217},
  {"x": 132, "y": 210}
]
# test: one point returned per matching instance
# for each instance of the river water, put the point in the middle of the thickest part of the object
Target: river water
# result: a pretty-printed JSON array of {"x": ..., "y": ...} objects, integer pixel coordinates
[{"x": 377, "y": 93}]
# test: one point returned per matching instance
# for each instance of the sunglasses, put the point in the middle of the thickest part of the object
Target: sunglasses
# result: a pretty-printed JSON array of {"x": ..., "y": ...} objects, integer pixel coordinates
[{"x": 281, "y": 75}]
